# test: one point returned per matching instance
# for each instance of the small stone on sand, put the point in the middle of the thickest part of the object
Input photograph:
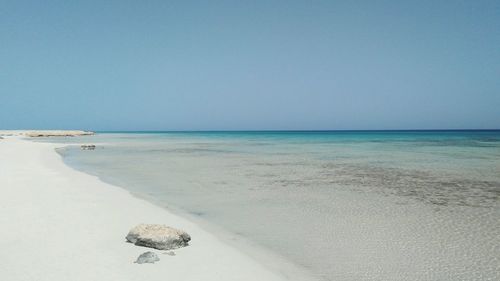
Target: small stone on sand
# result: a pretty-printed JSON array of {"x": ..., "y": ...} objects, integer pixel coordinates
[{"x": 147, "y": 257}]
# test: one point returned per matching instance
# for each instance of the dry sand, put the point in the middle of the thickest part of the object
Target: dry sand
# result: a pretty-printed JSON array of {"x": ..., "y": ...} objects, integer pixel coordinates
[{"x": 60, "y": 224}]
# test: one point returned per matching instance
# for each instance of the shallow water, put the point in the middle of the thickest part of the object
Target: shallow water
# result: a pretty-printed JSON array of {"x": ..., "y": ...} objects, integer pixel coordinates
[{"x": 344, "y": 205}]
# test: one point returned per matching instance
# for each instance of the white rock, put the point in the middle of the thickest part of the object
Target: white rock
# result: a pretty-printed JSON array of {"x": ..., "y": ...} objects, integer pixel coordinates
[
  {"x": 56, "y": 133},
  {"x": 158, "y": 236}
]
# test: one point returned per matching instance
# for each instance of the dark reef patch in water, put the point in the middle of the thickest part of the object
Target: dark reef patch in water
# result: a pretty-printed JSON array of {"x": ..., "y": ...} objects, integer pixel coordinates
[{"x": 424, "y": 186}]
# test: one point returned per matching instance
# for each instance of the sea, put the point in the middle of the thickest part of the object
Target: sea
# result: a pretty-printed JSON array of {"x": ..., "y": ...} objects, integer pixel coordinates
[{"x": 340, "y": 205}]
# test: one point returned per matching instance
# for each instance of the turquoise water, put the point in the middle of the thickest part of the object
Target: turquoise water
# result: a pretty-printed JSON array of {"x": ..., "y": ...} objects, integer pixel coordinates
[{"x": 350, "y": 205}]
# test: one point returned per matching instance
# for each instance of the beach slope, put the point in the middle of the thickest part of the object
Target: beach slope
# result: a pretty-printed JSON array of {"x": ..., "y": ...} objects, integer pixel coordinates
[{"x": 60, "y": 224}]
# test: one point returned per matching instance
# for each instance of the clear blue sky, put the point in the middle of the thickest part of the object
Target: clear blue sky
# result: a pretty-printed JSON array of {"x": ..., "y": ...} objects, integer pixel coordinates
[{"x": 225, "y": 65}]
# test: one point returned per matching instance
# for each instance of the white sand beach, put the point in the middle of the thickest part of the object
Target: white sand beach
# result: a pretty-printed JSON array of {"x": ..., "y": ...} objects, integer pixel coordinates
[
  {"x": 60, "y": 224},
  {"x": 250, "y": 140}
]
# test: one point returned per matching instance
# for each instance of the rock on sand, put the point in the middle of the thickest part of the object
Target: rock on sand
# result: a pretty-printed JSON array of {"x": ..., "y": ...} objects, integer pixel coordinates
[{"x": 158, "y": 236}]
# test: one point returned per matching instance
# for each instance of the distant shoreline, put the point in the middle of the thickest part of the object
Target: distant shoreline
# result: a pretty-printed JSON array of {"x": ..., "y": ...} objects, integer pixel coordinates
[{"x": 46, "y": 133}]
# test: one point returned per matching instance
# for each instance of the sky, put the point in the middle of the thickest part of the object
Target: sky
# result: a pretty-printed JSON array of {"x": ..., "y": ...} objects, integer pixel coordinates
[{"x": 249, "y": 65}]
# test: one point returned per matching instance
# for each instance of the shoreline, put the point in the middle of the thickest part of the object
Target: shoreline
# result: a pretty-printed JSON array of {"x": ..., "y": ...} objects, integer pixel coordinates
[
  {"x": 68, "y": 225},
  {"x": 370, "y": 235},
  {"x": 272, "y": 260}
]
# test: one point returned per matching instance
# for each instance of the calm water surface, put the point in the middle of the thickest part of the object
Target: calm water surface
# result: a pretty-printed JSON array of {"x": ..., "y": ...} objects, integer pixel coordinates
[{"x": 342, "y": 205}]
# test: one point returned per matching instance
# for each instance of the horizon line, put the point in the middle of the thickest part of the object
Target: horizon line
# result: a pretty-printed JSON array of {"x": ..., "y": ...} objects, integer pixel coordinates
[{"x": 282, "y": 130}]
